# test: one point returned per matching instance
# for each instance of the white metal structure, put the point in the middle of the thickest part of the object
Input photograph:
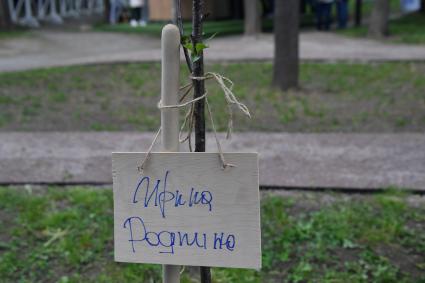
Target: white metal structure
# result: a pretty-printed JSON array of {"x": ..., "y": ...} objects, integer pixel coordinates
[
  {"x": 31, "y": 12},
  {"x": 46, "y": 10},
  {"x": 21, "y": 13}
]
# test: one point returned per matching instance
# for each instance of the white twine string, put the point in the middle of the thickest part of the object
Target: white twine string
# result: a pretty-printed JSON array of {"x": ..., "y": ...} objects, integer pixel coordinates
[
  {"x": 224, "y": 164},
  {"x": 227, "y": 87},
  {"x": 228, "y": 95},
  {"x": 142, "y": 166}
]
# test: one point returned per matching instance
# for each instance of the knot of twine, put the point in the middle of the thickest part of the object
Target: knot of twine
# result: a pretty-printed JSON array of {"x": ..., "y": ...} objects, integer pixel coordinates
[{"x": 226, "y": 86}]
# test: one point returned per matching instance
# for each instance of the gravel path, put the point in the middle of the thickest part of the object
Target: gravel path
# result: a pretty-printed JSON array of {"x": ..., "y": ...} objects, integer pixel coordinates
[
  {"x": 47, "y": 48},
  {"x": 343, "y": 161}
]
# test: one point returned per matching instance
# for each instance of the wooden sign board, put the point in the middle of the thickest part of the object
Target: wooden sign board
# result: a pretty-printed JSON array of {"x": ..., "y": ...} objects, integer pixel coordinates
[{"x": 184, "y": 209}]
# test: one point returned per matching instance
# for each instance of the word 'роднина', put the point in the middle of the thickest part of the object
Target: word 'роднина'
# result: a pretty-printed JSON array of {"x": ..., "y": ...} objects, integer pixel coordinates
[{"x": 167, "y": 240}]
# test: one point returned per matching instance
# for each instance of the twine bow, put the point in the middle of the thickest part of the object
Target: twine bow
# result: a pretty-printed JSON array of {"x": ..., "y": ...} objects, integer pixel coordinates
[{"x": 189, "y": 122}]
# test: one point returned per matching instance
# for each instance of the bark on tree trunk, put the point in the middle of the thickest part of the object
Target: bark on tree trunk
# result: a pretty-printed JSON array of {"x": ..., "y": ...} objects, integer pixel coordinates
[
  {"x": 198, "y": 71},
  {"x": 199, "y": 90},
  {"x": 252, "y": 17},
  {"x": 5, "y": 21},
  {"x": 378, "y": 25},
  {"x": 286, "y": 57},
  {"x": 106, "y": 10}
]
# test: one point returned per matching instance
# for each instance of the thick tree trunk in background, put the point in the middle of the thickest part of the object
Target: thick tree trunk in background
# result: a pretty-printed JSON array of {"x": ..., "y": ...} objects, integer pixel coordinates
[
  {"x": 106, "y": 11},
  {"x": 378, "y": 26},
  {"x": 5, "y": 21},
  {"x": 286, "y": 57},
  {"x": 252, "y": 17},
  {"x": 423, "y": 6}
]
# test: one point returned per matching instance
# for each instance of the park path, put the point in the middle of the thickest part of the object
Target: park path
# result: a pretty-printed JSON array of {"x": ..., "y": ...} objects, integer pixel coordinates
[
  {"x": 47, "y": 48},
  {"x": 343, "y": 161}
]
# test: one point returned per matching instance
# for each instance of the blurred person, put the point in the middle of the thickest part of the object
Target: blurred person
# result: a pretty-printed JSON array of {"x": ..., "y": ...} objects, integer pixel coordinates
[
  {"x": 115, "y": 11},
  {"x": 137, "y": 13},
  {"x": 409, "y": 6},
  {"x": 323, "y": 14},
  {"x": 342, "y": 12},
  {"x": 268, "y": 8}
]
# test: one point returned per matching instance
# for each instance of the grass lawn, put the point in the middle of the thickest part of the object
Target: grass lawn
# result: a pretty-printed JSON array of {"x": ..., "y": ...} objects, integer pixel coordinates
[
  {"x": 16, "y": 32},
  {"x": 65, "y": 235},
  {"x": 340, "y": 97},
  {"x": 210, "y": 28},
  {"x": 407, "y": 29}
]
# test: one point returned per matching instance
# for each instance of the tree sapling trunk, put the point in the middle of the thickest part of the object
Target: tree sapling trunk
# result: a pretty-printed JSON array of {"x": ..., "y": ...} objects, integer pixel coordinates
[
  {"x": 199, "y": 90},
  {"x": 198, "y": 71}
]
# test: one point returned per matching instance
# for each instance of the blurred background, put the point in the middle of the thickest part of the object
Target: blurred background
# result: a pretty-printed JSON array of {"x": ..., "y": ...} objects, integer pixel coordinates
[
  {"x": 356, "y": 74},
  {"x": 337, "y": 93}
]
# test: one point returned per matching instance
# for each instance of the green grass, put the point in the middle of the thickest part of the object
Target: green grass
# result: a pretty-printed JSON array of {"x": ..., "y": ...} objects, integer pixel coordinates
[
  {"x": 340, "y": 97},
  {"x": 15, "y": 32},
  {"x": 407, "y": 29},
  {"x": 65, "y": 235},
  {"x": 367, "y": 7},
  {"x": 210, "y": 27}
]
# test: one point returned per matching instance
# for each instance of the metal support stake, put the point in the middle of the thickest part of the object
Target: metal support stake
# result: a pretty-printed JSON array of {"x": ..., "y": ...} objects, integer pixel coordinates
[{"x": 170, "y": 117}]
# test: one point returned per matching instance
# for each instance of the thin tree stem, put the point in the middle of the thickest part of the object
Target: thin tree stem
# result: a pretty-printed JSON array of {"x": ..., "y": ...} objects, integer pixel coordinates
[
  {"x": 199, "y": 90},
  {"x": 205, "y": 275},
  {"x": 198, "y": 71}
]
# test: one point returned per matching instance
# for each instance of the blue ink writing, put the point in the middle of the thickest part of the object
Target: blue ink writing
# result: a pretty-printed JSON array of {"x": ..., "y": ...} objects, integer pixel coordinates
[
  {"x": 166, "y": 241},
  {"x": 159, "y": 197},
  {"x": 228, "y": 243}
]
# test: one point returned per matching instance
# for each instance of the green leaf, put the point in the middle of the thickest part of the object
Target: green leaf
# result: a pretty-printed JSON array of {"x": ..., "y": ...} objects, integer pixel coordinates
[
  {"x": 200, "y": 46},
  {"x": 185, "y": 39},
  {"x": 195, "y": 57},
  {"x": 188, "y": 46},
  {"x": 212, "y": 36}
]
